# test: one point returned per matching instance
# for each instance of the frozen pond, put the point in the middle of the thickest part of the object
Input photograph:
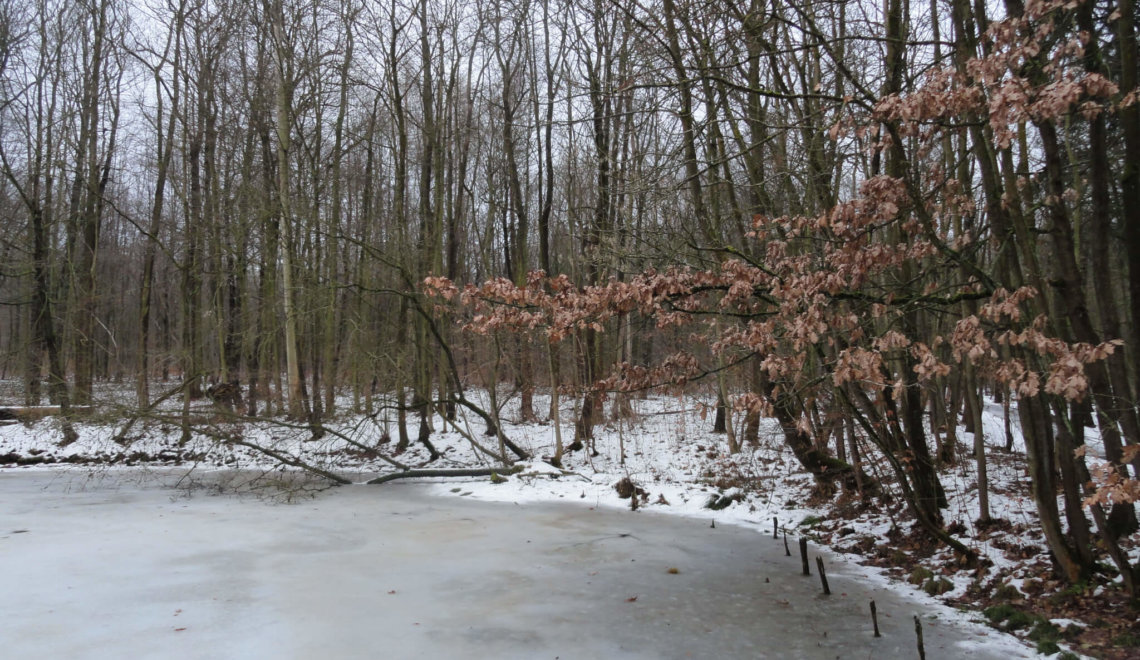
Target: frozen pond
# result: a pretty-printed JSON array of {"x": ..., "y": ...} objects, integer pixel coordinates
[{"x": 123, "y": 567}]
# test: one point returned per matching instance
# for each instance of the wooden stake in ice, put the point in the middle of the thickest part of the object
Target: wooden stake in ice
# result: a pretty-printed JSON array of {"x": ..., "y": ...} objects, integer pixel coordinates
[
  {"x": 822, "y": 575},
  {"x": 918, "y": 633}
]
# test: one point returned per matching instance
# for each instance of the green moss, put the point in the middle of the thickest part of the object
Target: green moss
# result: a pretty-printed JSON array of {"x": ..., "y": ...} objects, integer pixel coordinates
[
  {"x": 998, "y": 613},
  {"x": 938, "y": 587},
  {"x": 1008, "y": 618},
  {"x": 1019, "y": 620},
  {"x": 1044, "y": 631},
  {"x": 1006, "y": 592},
  {"x": 1075, "y": 589},
  {"x": 1047, "y": 647},
  {"x": 1067, "y": 655},
  {"x": 810, "y": 520},
  {"x": 1069, "y": 595},
  {"x": 722, "y": 502},
  {"x": 920, "y": 575},
  {"x": 1127, "y": 640}
]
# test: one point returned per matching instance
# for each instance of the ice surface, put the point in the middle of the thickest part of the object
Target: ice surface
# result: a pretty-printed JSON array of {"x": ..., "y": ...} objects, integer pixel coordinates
[{"x": 123, "y": 568}]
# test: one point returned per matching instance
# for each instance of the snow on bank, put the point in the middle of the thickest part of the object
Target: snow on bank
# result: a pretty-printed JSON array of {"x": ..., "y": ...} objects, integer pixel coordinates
[{"x": 666, "y": 449}]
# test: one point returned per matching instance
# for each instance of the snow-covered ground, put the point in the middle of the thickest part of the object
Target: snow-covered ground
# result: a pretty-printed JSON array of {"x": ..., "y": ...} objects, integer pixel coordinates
[{"x": 666, "y": 448}]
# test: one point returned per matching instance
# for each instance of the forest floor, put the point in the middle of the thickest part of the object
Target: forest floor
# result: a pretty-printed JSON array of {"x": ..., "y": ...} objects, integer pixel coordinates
[{"x": 667, "y": 450}]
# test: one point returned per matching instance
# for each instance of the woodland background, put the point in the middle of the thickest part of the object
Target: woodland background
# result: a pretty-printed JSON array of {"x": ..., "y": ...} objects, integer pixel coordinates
[{"x": 860, "y": 219}]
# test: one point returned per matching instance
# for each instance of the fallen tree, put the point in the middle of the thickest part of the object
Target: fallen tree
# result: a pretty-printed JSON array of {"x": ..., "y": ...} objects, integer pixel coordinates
[{"x": 443, "y": 472}]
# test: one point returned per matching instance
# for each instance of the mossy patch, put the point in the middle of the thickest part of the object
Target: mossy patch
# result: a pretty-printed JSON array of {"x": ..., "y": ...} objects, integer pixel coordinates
[
  {"x": 938, "y": 586},
  {"x": 1046, "y": 635},
  {"x": 1006, "y": 592},
  {"x": 1008, "y": 618},
  {"x": 920, "y": 575},
  {"x": 718, "y": 502}
]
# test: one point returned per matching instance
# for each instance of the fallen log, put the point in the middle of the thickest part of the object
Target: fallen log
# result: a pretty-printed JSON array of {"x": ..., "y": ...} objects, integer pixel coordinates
[
  {"x": 456, "y": 472},
  {"x": 32, "y": 413},
  {"x": 290, "y": 461}
]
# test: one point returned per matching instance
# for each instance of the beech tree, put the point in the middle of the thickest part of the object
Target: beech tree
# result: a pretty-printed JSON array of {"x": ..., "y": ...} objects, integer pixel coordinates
[{"x": 835, "y": 303}]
